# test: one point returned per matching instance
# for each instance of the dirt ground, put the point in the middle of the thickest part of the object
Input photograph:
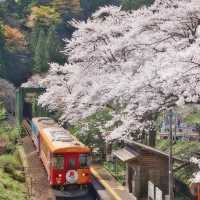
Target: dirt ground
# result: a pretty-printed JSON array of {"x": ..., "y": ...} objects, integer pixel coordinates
[{"x": 39, "y": 188}]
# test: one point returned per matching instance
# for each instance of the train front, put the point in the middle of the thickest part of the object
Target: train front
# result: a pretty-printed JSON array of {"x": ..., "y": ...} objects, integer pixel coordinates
[
  {"x": 66, "y": 160},
  {"x": 70, "y": 168}
]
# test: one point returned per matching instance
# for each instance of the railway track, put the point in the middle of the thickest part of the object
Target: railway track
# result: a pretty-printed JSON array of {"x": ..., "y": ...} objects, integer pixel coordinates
[
  {"x": 90, "y": 196},
  {"x": 38, "y": 188}
]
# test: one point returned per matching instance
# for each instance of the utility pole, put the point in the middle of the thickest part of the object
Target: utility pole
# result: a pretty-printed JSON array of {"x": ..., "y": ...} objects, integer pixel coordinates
[
  {"x": 171, "y": 178},
  {"x": 175, "y": 128}
]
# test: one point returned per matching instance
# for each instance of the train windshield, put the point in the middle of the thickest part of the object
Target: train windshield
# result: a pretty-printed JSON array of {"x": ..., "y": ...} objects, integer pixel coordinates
[
  {"x": 72, "y": 163},
  {"x": 84, "y": 160},
  {"x": 58, "y": 162}
]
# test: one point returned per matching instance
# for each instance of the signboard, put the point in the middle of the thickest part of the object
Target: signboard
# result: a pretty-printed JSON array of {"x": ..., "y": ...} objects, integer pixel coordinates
[
  {"x": 151, "y": 193},
  {"x": 29, "y": 97},
  {"x": 158, "y": 194}
]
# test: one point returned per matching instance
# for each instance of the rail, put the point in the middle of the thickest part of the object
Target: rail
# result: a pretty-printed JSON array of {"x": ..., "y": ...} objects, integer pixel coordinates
[{"x": 27, "y": 126}]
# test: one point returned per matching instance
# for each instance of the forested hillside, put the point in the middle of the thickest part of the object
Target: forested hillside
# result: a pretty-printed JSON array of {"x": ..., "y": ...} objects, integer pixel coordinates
[{"x": 32, "y": 32}]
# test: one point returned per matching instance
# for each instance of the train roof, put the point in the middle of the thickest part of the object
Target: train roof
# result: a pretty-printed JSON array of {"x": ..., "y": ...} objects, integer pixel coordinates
[
  {"x": 60, "y": 140},
  {"x": 43, "y": 122}
]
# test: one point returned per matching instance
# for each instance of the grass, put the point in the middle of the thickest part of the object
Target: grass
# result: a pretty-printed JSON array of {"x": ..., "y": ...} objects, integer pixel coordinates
[
  {"x": 183, "y": 150},
  {"x": 10, "y": 158},
  {"x": 10, "y": 188},
  {"x": 12, "y": 180},
  {"x": 2, "y": 112},
  {"x": 9, "y": 136},
  {"x": 193, "y": 118},
  {"x": 118, "y": 170}
]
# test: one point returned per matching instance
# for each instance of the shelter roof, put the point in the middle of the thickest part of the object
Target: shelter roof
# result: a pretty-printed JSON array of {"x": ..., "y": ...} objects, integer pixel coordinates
[
  {"x": 136, "y": 145},
  {"x": 125, "y": 154}
]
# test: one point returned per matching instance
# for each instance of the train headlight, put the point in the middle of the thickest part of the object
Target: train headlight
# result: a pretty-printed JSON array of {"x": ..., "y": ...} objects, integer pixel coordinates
[
  {"x": 84, "y": 174},
  {"x": 59, "y": 179}
]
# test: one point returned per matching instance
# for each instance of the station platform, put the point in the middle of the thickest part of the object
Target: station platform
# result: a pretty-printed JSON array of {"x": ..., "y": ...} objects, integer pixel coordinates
[{"x": 115, "y": 189}]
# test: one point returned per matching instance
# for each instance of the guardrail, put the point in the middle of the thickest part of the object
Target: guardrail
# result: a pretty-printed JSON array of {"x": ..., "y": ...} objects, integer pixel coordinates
[{"x": 27, "y": 127}]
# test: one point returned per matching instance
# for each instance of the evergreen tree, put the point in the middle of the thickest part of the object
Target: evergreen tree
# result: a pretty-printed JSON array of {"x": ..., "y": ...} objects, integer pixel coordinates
[
  {"x": 53, "y": 47},
  {"x": 52, "y": 44},
  {"x": 135, "y": 4},
  {"x": 2, "y": 65},
  {"x": 23, "y": 6},
  {"x": 2, "y": 57},
  {"x": 40, "y": 59},
  {"x": 34, "y": 37},
  {"x": 2, "y": 41}
]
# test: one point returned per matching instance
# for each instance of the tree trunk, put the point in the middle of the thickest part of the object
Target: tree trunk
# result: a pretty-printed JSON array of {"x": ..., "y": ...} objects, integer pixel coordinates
[{"x": 152, "y": 138}]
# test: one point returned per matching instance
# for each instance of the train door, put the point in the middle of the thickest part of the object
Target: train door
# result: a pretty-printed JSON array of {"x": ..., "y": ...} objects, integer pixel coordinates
[
  {"x": 72, "y": 162},
  {"x": 71, "y": 168}
]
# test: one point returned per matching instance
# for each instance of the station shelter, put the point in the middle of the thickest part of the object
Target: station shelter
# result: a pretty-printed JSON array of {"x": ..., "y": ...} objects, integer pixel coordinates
[{"x": 143, "y": 164}]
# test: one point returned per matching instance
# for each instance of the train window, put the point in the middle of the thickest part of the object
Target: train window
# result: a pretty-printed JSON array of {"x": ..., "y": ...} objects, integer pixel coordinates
[
  {"x": 71, "y": 163},
  {"x": 84, "y": 160},
  {"x": 34, "y": 129},
  {"x": 195, "y": 191},
  {"x": 58, "y": 162},
  {"x": 44, "y": 149}
]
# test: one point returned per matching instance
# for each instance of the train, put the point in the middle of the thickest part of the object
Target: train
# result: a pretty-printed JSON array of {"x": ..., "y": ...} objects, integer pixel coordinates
[
  {"x": 195, "y": 190},
  {"x": 66, "y": 160}
]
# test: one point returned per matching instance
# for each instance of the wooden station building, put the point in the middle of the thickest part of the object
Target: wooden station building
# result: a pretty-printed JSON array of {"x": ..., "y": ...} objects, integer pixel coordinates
[{"x": 144, "y": 164}]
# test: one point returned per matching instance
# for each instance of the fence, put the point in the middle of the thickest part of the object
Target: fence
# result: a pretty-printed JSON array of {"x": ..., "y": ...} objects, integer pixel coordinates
[{"x": 154, "y": 193}]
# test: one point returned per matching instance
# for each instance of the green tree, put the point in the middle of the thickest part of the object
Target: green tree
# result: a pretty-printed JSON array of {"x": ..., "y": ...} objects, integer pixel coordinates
[
  {"x": 40, "y": 59},
  {"x": 2, "y": 56},
  {"x": 2, "y": 10},
  {"x": 194, "y": 120},
  {"x": 52, "y": 45},
  {"x": 45, "y": 16},
  {"x": 34, "y": 37},
  {"x": 3, "y": 72},
  {"x": 135, "y": 4},
  {"x": 24, "y": 4}
]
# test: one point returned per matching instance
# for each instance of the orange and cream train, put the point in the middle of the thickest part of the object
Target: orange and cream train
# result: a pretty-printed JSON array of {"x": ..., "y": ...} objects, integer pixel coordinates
[
  {"x": 66, "y": 160},
  {"x": 195, "y": 190}
]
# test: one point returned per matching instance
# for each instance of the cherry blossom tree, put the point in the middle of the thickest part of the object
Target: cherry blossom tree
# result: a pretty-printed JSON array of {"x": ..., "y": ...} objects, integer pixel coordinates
[
  {"x": 137, "y": 64},
  {"x": 196, "y": 176}
]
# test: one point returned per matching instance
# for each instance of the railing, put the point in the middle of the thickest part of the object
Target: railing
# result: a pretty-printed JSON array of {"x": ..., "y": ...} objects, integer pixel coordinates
[{"x": 27, "y": 127}]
